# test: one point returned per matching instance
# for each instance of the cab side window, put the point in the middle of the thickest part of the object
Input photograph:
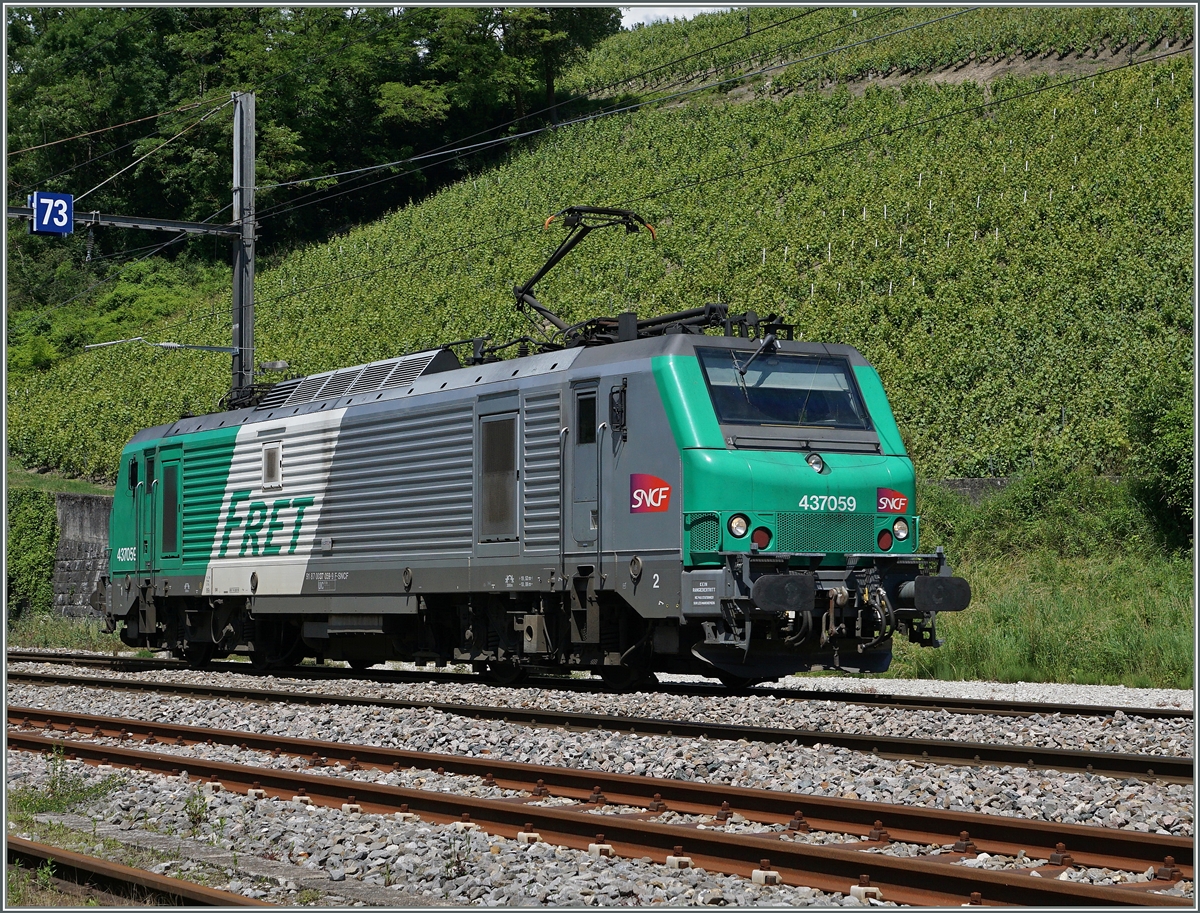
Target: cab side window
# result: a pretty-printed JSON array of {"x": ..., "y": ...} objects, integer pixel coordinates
[{"x": 272, "y": 465}]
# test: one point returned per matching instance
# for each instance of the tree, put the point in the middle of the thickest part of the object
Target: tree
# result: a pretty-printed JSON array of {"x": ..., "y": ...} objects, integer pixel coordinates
[
  {"x": 1162, "y": 431},
  {"x": 549, "y": 38},
  {"x": 129, "y": 109}
]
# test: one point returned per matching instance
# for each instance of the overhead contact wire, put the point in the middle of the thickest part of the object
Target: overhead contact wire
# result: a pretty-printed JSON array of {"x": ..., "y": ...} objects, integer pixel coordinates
[
  {"x": 187, "y": 107},
  {"x": 156, "y": 149},
  {"x": 153, "y": 248},
  {"x": 34, "y": 317},
  {"x": 449, "y": 148},
  {"x": 455, "y": 154},
  {"x": 743, "y": 171}
]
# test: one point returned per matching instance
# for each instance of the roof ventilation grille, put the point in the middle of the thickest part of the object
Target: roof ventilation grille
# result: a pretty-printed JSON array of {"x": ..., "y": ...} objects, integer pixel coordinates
[
  {"x": 278, "y": 394},
  {"x": 378, "y": 375}
]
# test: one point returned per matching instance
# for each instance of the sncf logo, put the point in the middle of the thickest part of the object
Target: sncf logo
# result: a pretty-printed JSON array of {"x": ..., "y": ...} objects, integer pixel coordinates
[
  {"x": 890, "y": 502},
  {"x": 648, "y": 493}
]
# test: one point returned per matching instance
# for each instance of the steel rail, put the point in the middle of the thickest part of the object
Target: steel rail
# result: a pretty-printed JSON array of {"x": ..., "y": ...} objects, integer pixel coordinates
[
  {"x": 403, "y": 676},
  {"x": 1106, "y": 763},
  {"x": 84, "y": 869},
  {"x": 1096, "y": 846},
  {"x": 828, "y": 868}
]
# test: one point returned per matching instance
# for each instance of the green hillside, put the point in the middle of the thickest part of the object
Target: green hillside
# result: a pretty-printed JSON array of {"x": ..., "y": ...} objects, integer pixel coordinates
[
  {"x": 1016, "y": 260},
  {"x": 871, "y": 40}
]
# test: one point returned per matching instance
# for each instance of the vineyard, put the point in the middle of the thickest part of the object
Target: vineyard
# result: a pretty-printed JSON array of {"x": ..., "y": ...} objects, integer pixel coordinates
[
  {"x": 1016, "y": 260},
  {"x": 721, "y": 45}
]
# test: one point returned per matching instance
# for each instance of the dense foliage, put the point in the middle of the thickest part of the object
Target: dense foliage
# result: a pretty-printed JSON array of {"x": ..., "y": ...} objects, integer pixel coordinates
[
  {"x": 1163, "y": 437},
  {"x": 32, "y": 537},
  {"x": 1059, "y": 512},
  {"x": 1004, "y": 267},
  {"x": 388, "y": 80},
  {"x": 1037, "y": 617},
  {"x": 129, "y": 110},
  {"x": 1069, "y": 582},
  {"x": 140, "y": 295}
]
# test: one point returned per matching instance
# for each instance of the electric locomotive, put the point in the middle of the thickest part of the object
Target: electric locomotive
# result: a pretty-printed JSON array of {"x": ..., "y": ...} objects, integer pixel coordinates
[{"x": 697, "y": 492}]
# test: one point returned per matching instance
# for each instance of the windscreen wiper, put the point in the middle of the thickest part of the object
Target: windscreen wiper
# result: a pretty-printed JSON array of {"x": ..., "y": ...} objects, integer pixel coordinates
[{"x": 769, "y": 344}]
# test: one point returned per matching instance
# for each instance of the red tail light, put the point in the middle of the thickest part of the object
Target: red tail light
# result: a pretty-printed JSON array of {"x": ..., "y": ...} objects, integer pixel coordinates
[
  {"x": 761, "y": 537},
  {"x": 885, "y": 540}
]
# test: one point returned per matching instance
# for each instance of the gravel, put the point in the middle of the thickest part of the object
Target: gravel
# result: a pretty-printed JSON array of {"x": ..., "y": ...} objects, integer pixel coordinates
[
  {"x": 1123, "y": 732},
  {"x": 1072, "y": 798},
  {"x": 432, "y": 865},
  {"x": 422, "y": 861},
  {"x": 1046, "y": 692}
]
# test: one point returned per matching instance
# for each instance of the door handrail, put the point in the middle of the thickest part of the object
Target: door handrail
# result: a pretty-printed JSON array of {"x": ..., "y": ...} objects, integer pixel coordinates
[
  {"x": 137, "y": 528},
  {"x": 562, "y": 502},
  {"x": 600, "y": 503},
  {"x": 153, "y": 516}
]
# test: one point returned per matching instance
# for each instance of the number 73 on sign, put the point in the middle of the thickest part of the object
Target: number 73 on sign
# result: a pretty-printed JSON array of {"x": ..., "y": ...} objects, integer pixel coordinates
[{"x": 53, "y": 213}]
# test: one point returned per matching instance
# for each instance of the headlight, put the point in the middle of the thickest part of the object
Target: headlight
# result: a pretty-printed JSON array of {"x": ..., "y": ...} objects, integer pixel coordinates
[
  {"x": 738, "y": 525},
  {"x": 814, "y": 460},
  {"x": 900, "y": 528}
]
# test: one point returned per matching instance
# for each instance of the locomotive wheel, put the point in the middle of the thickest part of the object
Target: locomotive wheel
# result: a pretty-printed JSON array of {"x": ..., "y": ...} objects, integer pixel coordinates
[
  {"x": 258, "y": 659},
  {"x": 282, "y": 647},
  {"x": 294, "y": 653},
  {"x": 359, "y": 665},
  {"x": 736, "y": 682},
  {"x": 198, "y": 655},
  {"x": 626, "y": 678},
  {"x": 506, "y": 673}
]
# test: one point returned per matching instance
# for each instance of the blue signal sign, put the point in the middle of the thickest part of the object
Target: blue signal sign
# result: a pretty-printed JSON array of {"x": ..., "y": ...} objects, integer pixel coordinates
[{"x": 53, "y": 213}]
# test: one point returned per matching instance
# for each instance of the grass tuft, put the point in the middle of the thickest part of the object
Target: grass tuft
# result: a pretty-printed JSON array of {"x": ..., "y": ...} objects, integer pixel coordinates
[
  {"x": 45, "y": 630},
  {"x": 65, "y": 788}
]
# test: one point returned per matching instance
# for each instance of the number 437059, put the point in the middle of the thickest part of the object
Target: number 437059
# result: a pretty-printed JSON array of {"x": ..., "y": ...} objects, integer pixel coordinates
[{"x": 828, "y": 502}]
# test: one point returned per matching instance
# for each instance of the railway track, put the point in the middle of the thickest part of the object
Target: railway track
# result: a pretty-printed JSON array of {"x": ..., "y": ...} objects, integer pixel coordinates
[
  {"x": 926, "y": 881},
  {"x": 120, "y": 880},
  {"x": 585, "y": 686},
  {"x": 1114, "y": 764}
]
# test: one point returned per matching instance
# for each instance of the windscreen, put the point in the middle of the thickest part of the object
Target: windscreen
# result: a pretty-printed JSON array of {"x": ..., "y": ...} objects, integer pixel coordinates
[{"x": 778, "y": 389}]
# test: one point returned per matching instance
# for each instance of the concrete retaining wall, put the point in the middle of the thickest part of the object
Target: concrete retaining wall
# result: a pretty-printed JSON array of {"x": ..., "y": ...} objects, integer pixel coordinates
[
  {"x": 975, "y": 489},
  {"x": 79, "y": 559}
]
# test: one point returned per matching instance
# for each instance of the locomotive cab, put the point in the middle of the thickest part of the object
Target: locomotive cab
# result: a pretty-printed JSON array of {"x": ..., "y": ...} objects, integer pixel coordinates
[{"x": 800, "y": 534}]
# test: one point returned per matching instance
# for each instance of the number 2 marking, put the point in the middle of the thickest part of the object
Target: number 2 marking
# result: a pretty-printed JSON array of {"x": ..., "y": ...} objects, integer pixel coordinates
[{"x": 656, "y": 581}]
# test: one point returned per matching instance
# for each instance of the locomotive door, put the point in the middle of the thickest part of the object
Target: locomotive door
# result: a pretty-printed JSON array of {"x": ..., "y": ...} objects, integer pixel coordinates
[
  {"x": 167, "y": 510},
  {"x": 498, "y": 495},
  {"x": 585, "y": 516},
  {"x": 143, "y": 506}
]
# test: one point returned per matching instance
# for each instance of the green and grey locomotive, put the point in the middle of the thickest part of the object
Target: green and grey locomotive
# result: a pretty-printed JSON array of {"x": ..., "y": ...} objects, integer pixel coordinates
[{"x": 644, "y": 495}]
